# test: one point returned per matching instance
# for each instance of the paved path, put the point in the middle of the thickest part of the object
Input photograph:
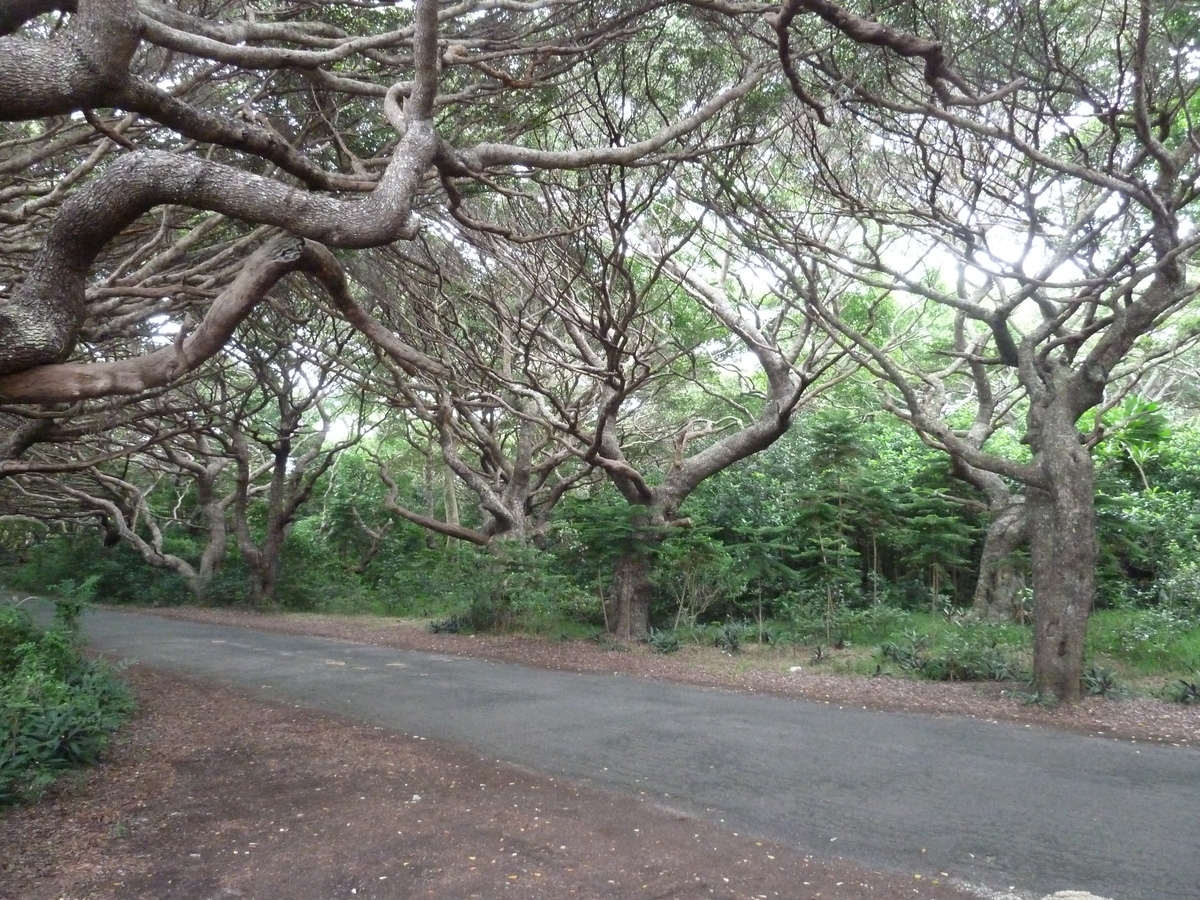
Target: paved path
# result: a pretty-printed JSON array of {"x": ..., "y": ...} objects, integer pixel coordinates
[{"x": 995, "y": 804}]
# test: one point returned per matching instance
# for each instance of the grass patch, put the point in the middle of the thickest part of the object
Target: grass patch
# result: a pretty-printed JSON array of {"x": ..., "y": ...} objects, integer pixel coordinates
[{"x": 1155, "y": 644}]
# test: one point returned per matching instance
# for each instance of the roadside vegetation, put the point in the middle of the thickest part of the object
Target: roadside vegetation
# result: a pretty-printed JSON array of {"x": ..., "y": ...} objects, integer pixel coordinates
[
  {"x": 847, "y": 547},
  {"x": 57, "y": 706}
]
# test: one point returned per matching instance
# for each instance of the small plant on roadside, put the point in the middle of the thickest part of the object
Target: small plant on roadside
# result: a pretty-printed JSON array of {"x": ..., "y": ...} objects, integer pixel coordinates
[
  {"x": 662, "y": 640},
  {"x": 729, "y": 637},
  {"x": 1101, "y": 682},
  {"x": 610, "y": 643},
  {"x": 908, "y": 652},
  {"x": 57, "y": 709},
  {"x": 781, "y": 636},
  {"x": 451, "y": 625},
  {"x": 962, "y": 656},
  {"x": 70, "y": 598},
  {"x": 1181, "y": 690},
  {"x": 16, "y": 628}
]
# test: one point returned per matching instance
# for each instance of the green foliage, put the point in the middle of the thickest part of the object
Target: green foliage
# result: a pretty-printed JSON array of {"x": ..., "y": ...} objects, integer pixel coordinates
[
  {"x": 1182, "y": 690},
  {"x": 57, "y": 708},
  {"x": 848, "y": 509},
  {"x": 729, "y": 636},
  {"x": 16, "y": 629},
  {"x": 1149, "y": 522},
  {"x": 663, "y": 640},
  {"x": 450, "y": 625},
  {"x": 507, "y": 587},
  {"x": 519, "y": 586},
  {"x": 908, "y": 653},
  {"x": 70, "y": 598},
  {"x": 696, "y": 573},
  {"x": 310, "y": 577},
  {"x": 973, "y": 652},
  {"x": 78, "y": 566},
  {"x": 1101, "y": 682},
  {"x": 810, "y": 619},
  {"x": 1135, "y": 433},
  {"x": 1152, "y": 640},
  {"x": 604, "y": 527}
]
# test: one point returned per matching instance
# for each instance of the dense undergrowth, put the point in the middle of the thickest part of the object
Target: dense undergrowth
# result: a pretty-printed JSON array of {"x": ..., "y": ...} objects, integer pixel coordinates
[
  {"x": 57, "y": 707},
  {"x": 1139, "y": 647}
]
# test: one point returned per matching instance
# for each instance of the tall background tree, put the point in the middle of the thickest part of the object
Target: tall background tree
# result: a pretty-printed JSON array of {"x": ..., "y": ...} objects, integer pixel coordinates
[{"x": 1046, "y": 156}]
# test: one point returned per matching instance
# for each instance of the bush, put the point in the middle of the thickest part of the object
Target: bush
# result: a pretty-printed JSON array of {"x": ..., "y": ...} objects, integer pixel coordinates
[
  {"x": 663, "y": 641},
  {"x": 1181, "y": 690},
  {"x": 452, "y": 625},
  {"x": 112, "y": 574},
  {"x": 16, "y": 629},
  {"x": 730, "y": 636},
  {"x": 697, "y": 574},
  {"x": 970, "y": 653},
  {"x": 1101, "y": 682},
  {"x": 1161, "y": 639},
  {"x": 57, "y": 708}
]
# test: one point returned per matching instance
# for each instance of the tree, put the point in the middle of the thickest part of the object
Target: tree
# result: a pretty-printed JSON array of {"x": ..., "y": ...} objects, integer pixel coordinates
[
  {"x": 345, "y": 131},
  {"x": 678, "y": 365},
  {"x": 1046, "y": 156},
  {"x": 451, "y": 86}
]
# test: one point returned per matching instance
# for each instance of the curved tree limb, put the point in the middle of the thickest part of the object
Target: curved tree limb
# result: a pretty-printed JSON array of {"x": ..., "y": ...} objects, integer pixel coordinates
[
  {"x": 42, "y": 321},
  {"x": 75, "y": 69},
  {"x": 469, "y": 535},
  {"x": 65, "y": 382},
  {"x": 938, "y": 72},
  {"x": 68, "y": 382}
]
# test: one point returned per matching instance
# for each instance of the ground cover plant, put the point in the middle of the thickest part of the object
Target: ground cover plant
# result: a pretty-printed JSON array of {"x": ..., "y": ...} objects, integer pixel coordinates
[{"x": 57, "y": 707}]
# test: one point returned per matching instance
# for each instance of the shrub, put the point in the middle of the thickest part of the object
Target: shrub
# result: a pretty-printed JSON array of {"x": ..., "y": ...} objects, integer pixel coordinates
[
  {"x": 966, "y": 654},
  {"x": 112, "y": 574},
  {"x": 1101, "y": 682},
  {"x": 452, "y": 625},
  {"x": 70, "y": 598},
  {"x": 909, "y": 652},
  {"x": 1159, "y": 639},
  {"x": 730, "y": 636},
  {"x": 1181, "y": 690},
  {"x": 517, "y": 587},
  {"x": 16, "y": 629},
  {"x": 663, "y": 641},
  {"x": 57, "y": 709},
  {"x": 697, "y": 573}
]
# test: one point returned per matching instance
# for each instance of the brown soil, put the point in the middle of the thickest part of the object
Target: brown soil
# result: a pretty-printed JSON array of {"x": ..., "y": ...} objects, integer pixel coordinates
[{"x": 212, "y": 794}]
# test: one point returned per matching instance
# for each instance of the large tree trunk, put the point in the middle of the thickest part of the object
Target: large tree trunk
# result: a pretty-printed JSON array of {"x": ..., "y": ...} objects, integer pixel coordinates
[
  {"x": 265, "y": 564},
  {"x": 1062, "y": 532},
  {"x": 216, "y": 542},
  {"x": 628, "y": 606},
  {"x": 1001, "y": 581}
]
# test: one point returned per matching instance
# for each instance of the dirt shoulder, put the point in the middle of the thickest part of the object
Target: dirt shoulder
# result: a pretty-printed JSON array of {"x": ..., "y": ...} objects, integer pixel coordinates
[{"x": 210, "y": 794}]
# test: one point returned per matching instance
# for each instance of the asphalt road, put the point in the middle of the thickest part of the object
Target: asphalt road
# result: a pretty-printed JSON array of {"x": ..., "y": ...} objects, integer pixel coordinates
[{"x": 994, "y": 804}]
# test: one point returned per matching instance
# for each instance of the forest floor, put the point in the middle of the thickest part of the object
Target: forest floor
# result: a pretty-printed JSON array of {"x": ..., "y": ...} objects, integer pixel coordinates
[{"x": 212, "y": 794}]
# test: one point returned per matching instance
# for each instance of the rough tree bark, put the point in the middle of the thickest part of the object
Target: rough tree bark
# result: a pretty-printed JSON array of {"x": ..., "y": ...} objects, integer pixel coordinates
[
  {"x": 1063, "y": 550},
  {"x": 627, "y": 608},
  {"x": 998, "y": 592}
]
